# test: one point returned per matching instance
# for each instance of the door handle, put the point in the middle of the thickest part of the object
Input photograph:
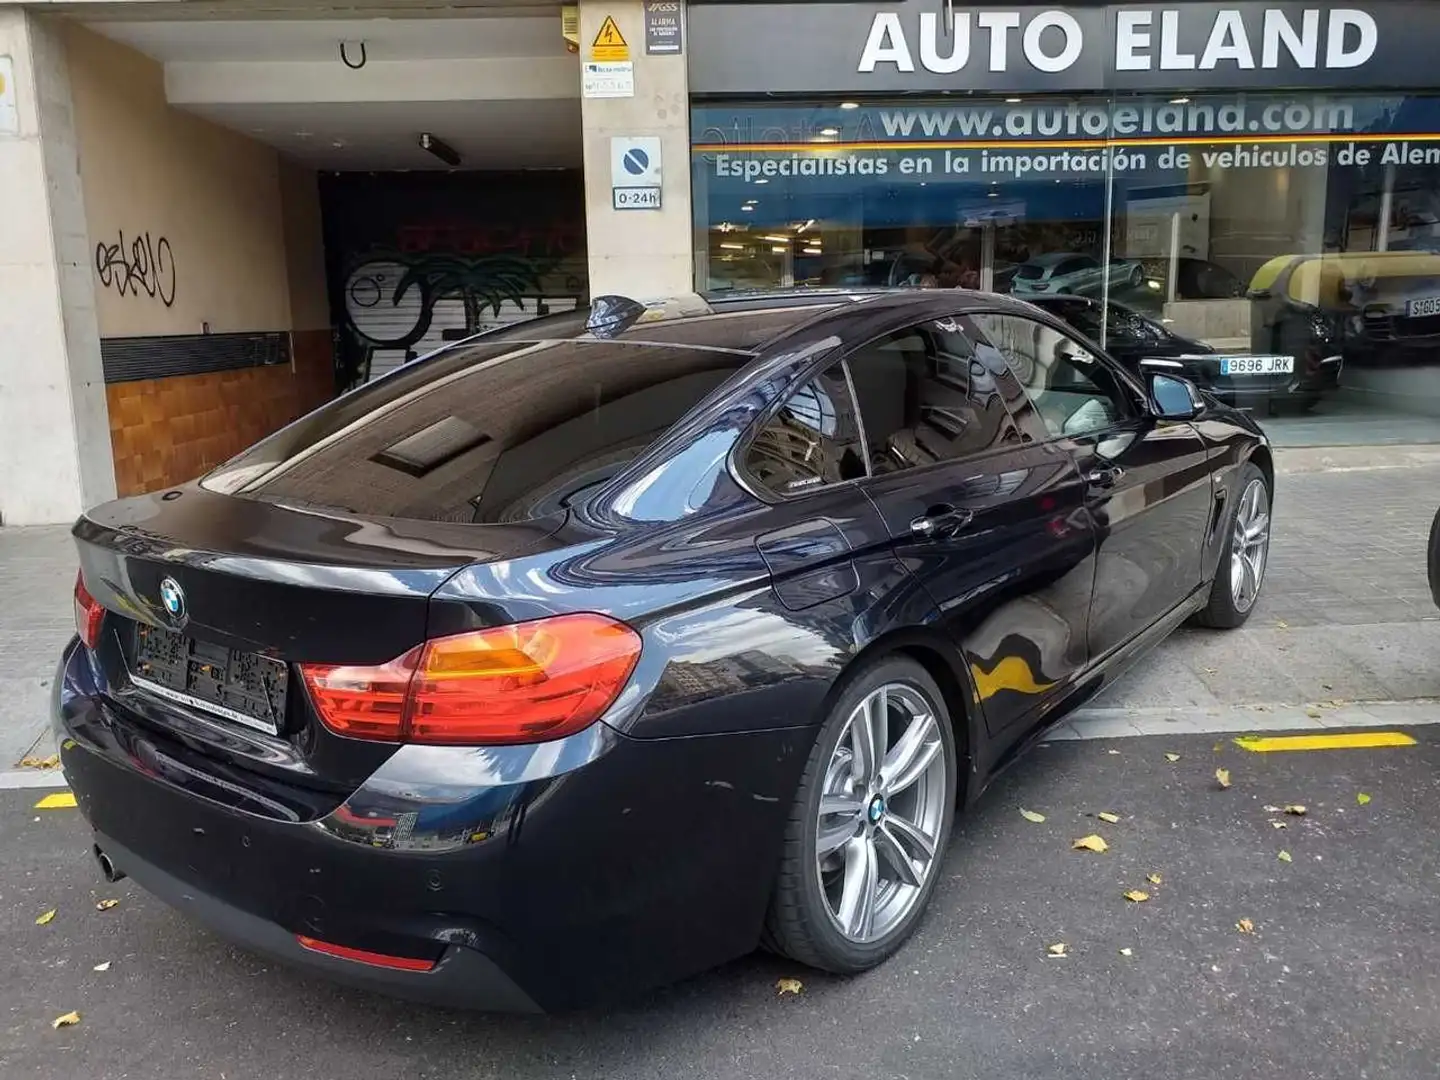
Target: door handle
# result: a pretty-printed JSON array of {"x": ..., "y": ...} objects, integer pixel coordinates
[
  {"x": 1106, "y": 477},
  {"x": 940, "y": 522}
]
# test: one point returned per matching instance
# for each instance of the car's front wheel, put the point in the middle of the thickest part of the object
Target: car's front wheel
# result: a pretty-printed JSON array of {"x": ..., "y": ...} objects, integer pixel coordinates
[
  {"x": 1247, "y": 554},
  {"x": 870, "y": 822}
]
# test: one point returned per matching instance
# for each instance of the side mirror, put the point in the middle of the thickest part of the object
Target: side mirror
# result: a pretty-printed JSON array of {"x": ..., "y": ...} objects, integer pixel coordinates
[{"x": 1174, "y": 398}]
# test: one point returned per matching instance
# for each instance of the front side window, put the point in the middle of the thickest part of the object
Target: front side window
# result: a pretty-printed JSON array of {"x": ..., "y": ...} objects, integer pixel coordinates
[
  {"x": 813, "y": 440},
  {"x": 925, "y": 397},
  {"x": 1073, "y": 393}
]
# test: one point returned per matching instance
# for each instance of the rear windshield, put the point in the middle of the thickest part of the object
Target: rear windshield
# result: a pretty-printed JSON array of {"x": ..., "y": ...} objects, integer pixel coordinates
[
  {"x": 499, "y": 431},
  {"x": 1029, "y": 271}
]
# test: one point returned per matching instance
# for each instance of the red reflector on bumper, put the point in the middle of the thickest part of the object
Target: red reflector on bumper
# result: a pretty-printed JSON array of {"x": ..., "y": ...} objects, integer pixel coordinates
[{"x": 361, "y": 956}]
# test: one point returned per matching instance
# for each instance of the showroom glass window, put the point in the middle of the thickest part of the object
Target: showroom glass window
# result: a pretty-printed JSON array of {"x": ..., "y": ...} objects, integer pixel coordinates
[{"x": 1302, "y": 229}]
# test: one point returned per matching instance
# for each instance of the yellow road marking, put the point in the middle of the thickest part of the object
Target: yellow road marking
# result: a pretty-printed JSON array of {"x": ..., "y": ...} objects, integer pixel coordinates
[
  {"x": 59, "y": 800},
  {"x": 1350, "y": 740}
]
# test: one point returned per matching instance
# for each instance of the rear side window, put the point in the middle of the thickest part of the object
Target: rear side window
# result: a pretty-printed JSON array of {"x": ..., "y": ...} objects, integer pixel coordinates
[
  {"x": 813, "y": 439},
  {"x": 925, "y": 397},
  {"x": 501, "y": 431}
]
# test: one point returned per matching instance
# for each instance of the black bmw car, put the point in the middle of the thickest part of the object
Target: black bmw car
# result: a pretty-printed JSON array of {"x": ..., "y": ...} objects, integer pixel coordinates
[
  {"x": 1248, "y": 380},
  {"x": 591, "y": 653}
]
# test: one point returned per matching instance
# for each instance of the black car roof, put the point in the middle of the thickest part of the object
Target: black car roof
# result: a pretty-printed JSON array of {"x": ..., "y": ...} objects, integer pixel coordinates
[{"x": 746, "y": 321}]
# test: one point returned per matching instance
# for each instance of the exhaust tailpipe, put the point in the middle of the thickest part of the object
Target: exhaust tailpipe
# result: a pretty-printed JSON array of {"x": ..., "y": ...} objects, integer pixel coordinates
[{"x": 108, "y": 870}]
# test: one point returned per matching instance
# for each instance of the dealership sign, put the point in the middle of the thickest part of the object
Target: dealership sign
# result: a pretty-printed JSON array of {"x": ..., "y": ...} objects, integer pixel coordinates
[
  {"x": 1144, "y": 39},
  {"x": 939, "y": 46}
]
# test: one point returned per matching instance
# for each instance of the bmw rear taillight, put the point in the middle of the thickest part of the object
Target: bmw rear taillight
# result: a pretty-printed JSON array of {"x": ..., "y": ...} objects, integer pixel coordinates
[
  {"x": 88, "y": 614},
  {"x": 512, "y": 684}
]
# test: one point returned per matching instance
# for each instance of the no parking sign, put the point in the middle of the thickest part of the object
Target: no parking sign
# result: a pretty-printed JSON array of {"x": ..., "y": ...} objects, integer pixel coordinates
[{"x": 635, "y": 172}]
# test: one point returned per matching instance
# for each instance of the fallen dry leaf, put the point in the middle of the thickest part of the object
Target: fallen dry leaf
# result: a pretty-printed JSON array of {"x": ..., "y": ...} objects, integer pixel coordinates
[
  {"x": 1115, "y": 752},
  {"x": 1284, "y": 856},
  {"x": 1135, "y": 896},
  {"x": 106, "y": 905},
  {"x": 1279, "y": 825},
  {"x": 1031, "y": 815},
  {"x": 1154, "y": 879},
  {"x": 1273, "y": 809},
  {"x": 1058, "y": 949},
  {"x": 1172, "y": 758},
  {"x": 1295, "y": 810},
  {"x": 45, "y": 918},
  {"x": 1245, "y": 926},
  {"x": 1210, "y": 671},
  {"x": 788, "y": 986},
  {"x": 1222, "y": 776},
  {"x": 70, "y": 1019},
  {"x": 1282, "y": 624},
  {"x": 1090, "y": 843},
  {"x": 102, "y": 967},
  {"x": 51, "y": 762},
  {"x": 1362, "y": 798},
  {"x": 1106, "y": 815},
  {"x": 1127, "y": 951},
  {"x": 1338, "y": 703},
  {"x": 1313, "y": 711}
]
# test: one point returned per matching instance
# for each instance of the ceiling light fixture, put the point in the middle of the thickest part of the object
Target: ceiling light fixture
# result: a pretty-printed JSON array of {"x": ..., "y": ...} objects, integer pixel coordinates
[
  {"x": 1179, "y": 101},
  {"x": 442, "y": 150},
  {"x": 829, "y": 132},
  {"x": 847, "y": 105},
  {"x": 733, "y": 247}
]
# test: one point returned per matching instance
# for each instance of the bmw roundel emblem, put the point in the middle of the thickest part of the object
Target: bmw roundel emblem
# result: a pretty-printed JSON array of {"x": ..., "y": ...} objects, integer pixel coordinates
[{"x": 173, "y": 597}]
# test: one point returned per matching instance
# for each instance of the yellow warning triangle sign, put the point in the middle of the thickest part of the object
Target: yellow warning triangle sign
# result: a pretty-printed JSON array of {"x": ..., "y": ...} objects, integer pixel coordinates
[{"x": 609, "y": 43}]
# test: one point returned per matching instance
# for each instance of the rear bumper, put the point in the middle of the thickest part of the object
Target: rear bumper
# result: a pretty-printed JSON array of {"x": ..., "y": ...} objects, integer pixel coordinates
[
  {"x": 544, "y": 877},
  {"x": 462, "y": 977}
]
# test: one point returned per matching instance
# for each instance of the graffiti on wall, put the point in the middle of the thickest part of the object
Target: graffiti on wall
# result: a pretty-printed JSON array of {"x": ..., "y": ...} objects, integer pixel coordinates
[
  {"x": 141, "y": 266},
  {"x": 416, "y": 261},
  {"x": 390, "y": 299}
]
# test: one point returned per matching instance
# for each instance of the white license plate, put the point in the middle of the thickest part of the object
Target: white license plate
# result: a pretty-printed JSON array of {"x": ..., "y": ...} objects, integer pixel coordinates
[
  {"x": 1422, "y": 306},
  {"x": 1257, "y": 365}
]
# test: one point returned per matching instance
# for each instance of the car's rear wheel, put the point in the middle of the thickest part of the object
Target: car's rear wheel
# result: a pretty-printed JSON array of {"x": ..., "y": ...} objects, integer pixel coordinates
[
  {"x": 870, "y": 822},
  {"x": 1241, "y": 572}
]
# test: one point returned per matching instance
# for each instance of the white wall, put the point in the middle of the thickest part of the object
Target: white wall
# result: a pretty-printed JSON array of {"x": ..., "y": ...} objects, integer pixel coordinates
[{"x": 54, "y": 432}]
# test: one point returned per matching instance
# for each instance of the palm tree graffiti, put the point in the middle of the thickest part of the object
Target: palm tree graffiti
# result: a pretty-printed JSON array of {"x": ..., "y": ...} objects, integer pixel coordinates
[{"x": 390, "y": 298}]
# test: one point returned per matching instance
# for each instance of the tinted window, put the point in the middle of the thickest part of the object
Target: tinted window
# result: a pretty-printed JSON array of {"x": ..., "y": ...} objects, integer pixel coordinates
[
  {"x": 1126, "y": 327},
  {"x": 1072, "y": 392},
  {"x": 924, "y": 397},
  {"x": 1081, "y": 314},
  {"x": 491, "y": 432},
  {"x": 813, "y": 440}
]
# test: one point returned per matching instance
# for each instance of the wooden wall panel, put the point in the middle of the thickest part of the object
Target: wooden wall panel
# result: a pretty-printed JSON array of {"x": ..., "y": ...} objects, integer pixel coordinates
[{"x": 166, "y": 431}]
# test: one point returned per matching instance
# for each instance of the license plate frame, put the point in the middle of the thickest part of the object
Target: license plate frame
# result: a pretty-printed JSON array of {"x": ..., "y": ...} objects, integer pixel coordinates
[
  {"x": 1422, "y": 307},
  {"x": 1231, "y": 366},
  {"x": 244, "y": 688}
]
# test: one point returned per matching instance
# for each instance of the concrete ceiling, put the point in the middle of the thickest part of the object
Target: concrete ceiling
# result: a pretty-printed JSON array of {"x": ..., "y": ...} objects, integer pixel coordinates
[
  {"x": 495, "y": 83},
  {"x": 346, "y": 136}
]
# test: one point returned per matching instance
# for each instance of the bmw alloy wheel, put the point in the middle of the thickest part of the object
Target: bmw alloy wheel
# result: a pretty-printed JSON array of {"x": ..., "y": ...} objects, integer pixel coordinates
[
  {"x": 882, "y": 811},
  {"x": 1249, "y": 545}
]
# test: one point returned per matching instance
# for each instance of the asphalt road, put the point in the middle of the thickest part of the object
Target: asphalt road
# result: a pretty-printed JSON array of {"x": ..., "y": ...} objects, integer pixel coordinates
[{"x": 1339, "y": 978}]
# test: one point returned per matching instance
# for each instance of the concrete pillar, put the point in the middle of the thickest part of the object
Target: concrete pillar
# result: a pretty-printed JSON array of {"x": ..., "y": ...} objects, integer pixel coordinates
[
  {"x": 55, "y": 456},
  {"x": 638, "y": 253}
]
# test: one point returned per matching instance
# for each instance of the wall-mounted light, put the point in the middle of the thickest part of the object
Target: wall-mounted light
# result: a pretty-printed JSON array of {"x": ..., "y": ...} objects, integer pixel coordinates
[{"x": 442, "y": 150}]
